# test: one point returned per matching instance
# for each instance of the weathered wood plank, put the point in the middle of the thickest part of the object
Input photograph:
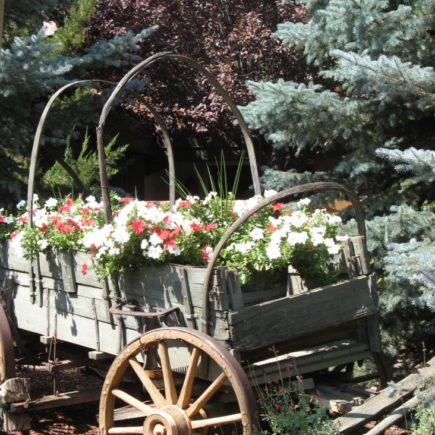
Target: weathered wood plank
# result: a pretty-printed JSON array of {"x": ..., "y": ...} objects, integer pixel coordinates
[
  {"x": 386, "y": 399},
  {"x": 290, "y": 317},
  {"x": 62, "y": 399},
  {"x": 308, "y": 360}
]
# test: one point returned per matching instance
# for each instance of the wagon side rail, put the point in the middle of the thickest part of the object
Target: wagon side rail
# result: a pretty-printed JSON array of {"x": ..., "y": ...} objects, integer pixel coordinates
[{"x": 308, "y": 188}]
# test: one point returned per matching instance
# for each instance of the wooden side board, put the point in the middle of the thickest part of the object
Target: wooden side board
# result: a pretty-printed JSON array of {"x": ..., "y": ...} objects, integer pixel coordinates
[{"x": 295, "y": 316}]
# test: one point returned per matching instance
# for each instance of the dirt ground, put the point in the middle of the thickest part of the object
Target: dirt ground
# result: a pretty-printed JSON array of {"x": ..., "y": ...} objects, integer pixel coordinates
[{"x": 82, "y": 419}]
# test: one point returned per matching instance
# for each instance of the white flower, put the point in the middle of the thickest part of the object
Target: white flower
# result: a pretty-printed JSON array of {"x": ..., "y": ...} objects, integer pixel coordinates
[
  {"x": 42, "y": 244},
  {"x": 121, "y": 235},
  {"x": 209, "y": 197},
  {"x": 114, "y": 251},
  {"x": 174, "y": 250},
  {"x": 273, "y": 251},
  {"x": 256, "y": 234},
  {"x": 97, "y": 237},
  {"x": 144, "y": 244},
  {"x": 293, "y": 237},
  {"x": 333, "y": 219},
  {"x": 51, "y": 202},
  {"x": 21, "y": 204},
  {"x": 333, "y": 249},
  {"x": 155, "y": 239},
  {"x": 304, "y": 202},
  {"x": 243, "y": 247},
  {"x": 268, "y": 193},
  {"x": 92, "y": 202},
  {"x": 342, "y": 238},
  {"x": 155, "y": 252},
  {"x": 298, "y": 219}
]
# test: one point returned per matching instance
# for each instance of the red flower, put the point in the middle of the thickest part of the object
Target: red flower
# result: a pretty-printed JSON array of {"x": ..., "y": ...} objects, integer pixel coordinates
[
  {"x": 184, "y": 204},
  {"x": 87, "y": 222},
  {"x": 205, "y": 255},
  {"x": 169, "y": 244},
  {"x": 43, "y": 228},
  {"x": 126, "y": 199},
  {"x": 165, "y": 234},
  {"x": 137, "y": 226},
  {"x": 271, "y": 229},
  {"x": 278, "y": 407},
  {"x": 84, "y": 211},
  {"x": 277, "y": 206},
  {"x": 63, "y": 228},
  {"x": 73, "y": 223},
  {"x": 67, "y": 206},
  {"x": 84, "y": 269},
  {"x": 2, "y": 219},
  {"x": 195, "y": 227},
  {"x": 210, "y": 227}
]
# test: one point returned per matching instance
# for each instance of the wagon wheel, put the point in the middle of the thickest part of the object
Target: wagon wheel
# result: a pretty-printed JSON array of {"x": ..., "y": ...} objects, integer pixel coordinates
[
  {"x": 171, "y": 403},
  {"x": 7, "y": 355}
]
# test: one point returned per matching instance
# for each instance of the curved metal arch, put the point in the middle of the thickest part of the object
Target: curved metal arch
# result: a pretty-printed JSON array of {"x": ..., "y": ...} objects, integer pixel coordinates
[
  {"x": 168, "y": 146},
  {"x": 37, "y": 140},
  {"x": 292, "y": 191},
  {"x": 127, "y": 78}
]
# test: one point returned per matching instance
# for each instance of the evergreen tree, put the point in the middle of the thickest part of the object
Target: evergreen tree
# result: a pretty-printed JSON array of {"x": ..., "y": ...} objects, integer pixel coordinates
[
  {"x": 33, "y": 66},
  {"x": 366, "y": 111}
]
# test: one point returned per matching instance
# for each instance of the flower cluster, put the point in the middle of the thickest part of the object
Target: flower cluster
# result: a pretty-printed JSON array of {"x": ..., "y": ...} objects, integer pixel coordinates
[{"x": 152, "y": 233}]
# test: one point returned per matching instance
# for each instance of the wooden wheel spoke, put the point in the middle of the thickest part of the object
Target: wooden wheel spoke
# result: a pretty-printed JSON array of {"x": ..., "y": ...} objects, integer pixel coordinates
[
  {"x": 216, "y": 421},
  {"x": 126, "y": 430},
  {"x": 206, "y": 395},
  {"x": 132, "y": 401},
  {"x": 148, "y": 384},
  {"x": 186, "y": 390},
  {"x": 168, "y": 378}
]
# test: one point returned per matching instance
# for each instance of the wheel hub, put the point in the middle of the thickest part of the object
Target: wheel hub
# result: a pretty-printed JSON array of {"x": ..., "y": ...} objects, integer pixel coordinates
[{"x": 169, "y": 420}]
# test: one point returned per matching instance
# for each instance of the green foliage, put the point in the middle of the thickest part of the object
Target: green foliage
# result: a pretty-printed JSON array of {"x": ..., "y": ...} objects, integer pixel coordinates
[
  {"x": 286, "y": 409},
  {"x": 85, "y": 165},
  {"x": 72, "y": 34},
  {"x": 425, "y": 414}
]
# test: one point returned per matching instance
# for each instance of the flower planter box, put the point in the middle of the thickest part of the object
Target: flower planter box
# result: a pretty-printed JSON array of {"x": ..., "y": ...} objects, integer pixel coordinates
[{"x": 74, "y": 307}]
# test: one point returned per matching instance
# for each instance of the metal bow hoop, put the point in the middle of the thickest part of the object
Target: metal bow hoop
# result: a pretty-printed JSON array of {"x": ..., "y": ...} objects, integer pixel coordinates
[
  {"x": 292, "y": 191},
  {"x": 120, "y": 87},
  {"x": 37, "y": 140}
]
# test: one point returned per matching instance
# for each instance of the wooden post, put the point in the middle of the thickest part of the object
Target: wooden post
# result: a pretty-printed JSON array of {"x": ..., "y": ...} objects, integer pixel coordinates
[{"x": 2, "y": 15}]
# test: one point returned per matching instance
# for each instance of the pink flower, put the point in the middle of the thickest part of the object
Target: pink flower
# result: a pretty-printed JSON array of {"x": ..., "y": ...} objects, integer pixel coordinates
[
  {"x": 84, "y": 269},
  {"x": 2, "y": 219},
  {"x": 271, "y": 229},
  {"x": 210, "y": 227},
  {"x": 137, "y": 226},
  {"x": 126, "y": 199}
]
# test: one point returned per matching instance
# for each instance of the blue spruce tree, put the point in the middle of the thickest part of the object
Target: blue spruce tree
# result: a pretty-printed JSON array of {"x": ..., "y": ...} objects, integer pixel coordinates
[
  {"x": 367, "y": 110},
  {"x": 34, "y": 64}
]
